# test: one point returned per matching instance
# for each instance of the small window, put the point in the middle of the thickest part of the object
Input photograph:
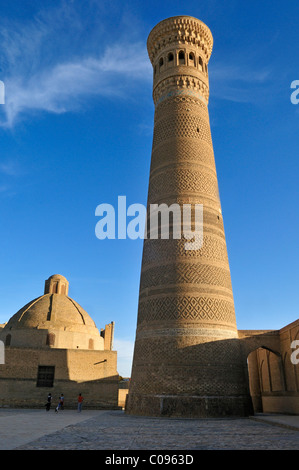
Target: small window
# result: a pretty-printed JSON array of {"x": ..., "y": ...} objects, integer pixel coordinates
[
  {"x": 7, "y": 340},
  {"x": 170, "y": 57},
  {"x": 191, "y": 57},
  {"x": 161, "y": 62},
  {"x": 45, "y": 376},
  {"x": 181, "y": 57},
  {"x": 55, "y": 288},
  {"x": 200, "y": 63},
  {"x": 50, "y": 339}
]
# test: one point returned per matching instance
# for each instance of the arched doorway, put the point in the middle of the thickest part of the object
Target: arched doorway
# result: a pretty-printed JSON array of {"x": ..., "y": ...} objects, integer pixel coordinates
[{"x": 266, "y": 377}]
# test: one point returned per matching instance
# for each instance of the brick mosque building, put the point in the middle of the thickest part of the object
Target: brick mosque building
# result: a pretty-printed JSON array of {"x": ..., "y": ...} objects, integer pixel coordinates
[
  {"x": 190, "y": 359},
  {"x": 53, "y": 346}
]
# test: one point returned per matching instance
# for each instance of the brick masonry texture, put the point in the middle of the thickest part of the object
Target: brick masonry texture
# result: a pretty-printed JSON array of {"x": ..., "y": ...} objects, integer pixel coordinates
[{"x": 187, "y": 358}]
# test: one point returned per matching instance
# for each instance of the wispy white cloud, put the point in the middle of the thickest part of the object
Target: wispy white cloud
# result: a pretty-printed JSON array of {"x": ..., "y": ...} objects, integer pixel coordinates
[
  {"x": 46, "y": 69},
  {"x": 62, "y": 87},
  {"x": 56, "y": 63},
  {"x": 10, "y": 168},
  {"x": 238, "y": 82},
  {"x": 235, "y": 73}
]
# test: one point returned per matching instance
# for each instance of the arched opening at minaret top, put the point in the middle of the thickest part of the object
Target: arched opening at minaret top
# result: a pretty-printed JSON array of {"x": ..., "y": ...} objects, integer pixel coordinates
[
  {"x": 181, "y": 58},
  {"x": 200, "y": 63},
  {"x": 170, "y": 57},
  {"x": 191, "y": 59}
]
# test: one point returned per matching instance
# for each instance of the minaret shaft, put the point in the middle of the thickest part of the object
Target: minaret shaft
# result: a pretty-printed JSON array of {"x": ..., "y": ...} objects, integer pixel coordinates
[{"x": 186, "y": 340}]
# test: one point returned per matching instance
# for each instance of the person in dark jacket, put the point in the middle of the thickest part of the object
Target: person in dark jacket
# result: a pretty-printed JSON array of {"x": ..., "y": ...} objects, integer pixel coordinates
[{"x": 49, "y": 402}]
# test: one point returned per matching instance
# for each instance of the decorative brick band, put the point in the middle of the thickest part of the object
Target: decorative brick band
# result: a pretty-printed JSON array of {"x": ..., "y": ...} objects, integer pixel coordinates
[
  {"x": 186, "y": 308},
  {"x": 197, "y": 332},
  {"x": 193, "y": 88}
]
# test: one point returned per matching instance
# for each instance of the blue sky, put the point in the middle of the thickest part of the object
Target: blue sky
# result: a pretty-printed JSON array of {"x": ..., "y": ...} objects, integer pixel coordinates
[{"x": 76, "y": 131}]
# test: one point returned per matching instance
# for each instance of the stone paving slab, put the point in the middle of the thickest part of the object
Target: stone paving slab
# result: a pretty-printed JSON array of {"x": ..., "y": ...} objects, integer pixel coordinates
[
  {"x": 286, "y": 421},
  {"x": 18, "y": 427},
  {"x": 114, "y": 430}
]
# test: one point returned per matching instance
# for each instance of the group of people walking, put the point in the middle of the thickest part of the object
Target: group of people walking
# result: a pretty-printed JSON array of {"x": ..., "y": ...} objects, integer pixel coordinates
[{"x": 60, "y": 405}]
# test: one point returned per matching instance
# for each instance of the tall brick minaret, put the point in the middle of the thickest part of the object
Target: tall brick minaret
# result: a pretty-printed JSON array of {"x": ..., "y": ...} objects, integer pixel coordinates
[{"x": 187, "y": 359}]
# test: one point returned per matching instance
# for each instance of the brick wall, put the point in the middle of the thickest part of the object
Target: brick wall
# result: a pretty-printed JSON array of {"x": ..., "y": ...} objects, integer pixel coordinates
[{"x": 92, "y": 373}]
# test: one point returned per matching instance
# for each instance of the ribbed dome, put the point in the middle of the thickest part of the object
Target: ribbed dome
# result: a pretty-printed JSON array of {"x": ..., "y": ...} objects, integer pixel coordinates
[
  {"x": 58, "y": 277},
  {"x": 58, "y": 310},
  {"x": 56, "y": 314}
]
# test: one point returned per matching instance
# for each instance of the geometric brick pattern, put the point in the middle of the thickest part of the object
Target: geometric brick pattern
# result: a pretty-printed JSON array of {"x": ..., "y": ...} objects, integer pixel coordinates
[
  {"x": 183, "y": 125},
  {"x": 181, "y": 151},
  {"x": 185, "y": 273},
  {"x": 186, "y": 308},
  {"x": 213, "y": 249},
  {"x": 186, "y": 338},
  {"x": 174, "y": 181}
]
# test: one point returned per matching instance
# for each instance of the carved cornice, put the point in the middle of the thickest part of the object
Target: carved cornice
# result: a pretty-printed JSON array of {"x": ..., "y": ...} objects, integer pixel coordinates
[
  {"x": 180, "y": 30},
  {"x": 181, "y": 85}
]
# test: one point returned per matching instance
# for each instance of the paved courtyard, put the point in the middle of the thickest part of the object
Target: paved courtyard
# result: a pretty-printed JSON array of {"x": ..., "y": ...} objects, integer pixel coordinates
[{"x": 114, "y": 430}]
